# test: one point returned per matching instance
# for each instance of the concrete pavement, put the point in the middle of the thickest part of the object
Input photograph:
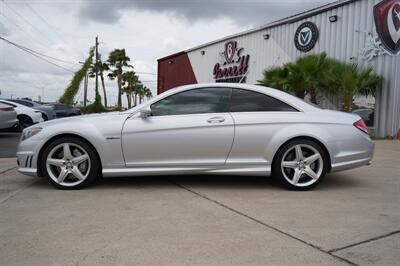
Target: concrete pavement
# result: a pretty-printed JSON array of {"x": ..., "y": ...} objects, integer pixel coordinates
[{"x": 353, "y": 217}]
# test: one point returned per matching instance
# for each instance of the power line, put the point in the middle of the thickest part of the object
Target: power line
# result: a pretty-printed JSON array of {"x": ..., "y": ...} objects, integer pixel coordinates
[
  {"x": 60, "y": 60},
  {"x": 24, "y": 19},
  {"x": 49, "y": 25},
  {"x": 146, "y": 73},
  {"x": 36, "y": 55},
  {"x": 19, "y": 27},
  {"x": 44, "y": 55}
]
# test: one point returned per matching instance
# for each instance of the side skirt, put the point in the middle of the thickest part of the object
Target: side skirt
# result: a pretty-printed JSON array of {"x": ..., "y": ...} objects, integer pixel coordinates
[{"x": 250, "y": 170}]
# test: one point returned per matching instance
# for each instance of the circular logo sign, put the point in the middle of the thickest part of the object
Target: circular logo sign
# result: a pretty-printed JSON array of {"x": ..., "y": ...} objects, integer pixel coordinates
[{"x": 306, "y": 36}]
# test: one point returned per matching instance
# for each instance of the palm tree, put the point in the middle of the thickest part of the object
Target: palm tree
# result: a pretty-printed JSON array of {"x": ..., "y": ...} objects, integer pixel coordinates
[
  {"x": 312, "y": 67},
  {"x": 117, "y": 60},
  {"x": 100, "y": 67},
  {"x": 348, "y": 81},
  {"x": 275, "y": 77},
  {"x": 130, "y": 80},
  {"x": 295, "y": 80},
  {"x": 147, "y": 93}
]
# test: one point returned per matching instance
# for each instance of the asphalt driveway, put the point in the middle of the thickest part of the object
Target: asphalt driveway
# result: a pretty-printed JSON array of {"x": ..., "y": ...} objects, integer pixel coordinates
[
  {"x": 353, "y": 217},
  {"x": 8, "y": 144}
]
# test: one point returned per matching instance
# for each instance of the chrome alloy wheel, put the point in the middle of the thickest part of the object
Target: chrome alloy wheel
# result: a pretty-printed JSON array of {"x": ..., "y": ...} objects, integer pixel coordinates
[
  {"x": 302, "y": 165},
  {"x": 68, "y": 164}
]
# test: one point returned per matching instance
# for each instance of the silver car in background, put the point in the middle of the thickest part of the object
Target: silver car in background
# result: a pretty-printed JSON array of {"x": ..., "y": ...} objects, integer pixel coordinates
[
  {"x": 229, "y": 129},
  {"x": 8, "y": 116},
  {"x": 48, "y": 112}
]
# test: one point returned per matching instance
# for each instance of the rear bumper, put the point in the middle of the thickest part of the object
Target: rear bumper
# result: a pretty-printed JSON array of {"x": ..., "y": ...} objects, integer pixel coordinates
[
  {"x": 350, "y": 164},
  {"x": 353, "y": 154}
]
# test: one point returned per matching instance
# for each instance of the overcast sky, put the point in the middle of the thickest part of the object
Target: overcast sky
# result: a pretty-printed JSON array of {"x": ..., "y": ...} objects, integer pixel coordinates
[{"x": 147, "y": 29}]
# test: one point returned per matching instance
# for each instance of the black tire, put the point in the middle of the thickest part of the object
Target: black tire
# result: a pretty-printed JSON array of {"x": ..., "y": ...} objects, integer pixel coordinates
[
  {"x": 45, "y": 117},
  {"x": 94, "y": 173},
  {"x": 24, "y": 122},
  {"x": 277, "y": 171}
]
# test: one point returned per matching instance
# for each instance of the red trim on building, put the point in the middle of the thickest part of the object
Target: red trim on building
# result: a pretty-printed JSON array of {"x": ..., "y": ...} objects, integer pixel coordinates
[{"x": 174, "y": 70}]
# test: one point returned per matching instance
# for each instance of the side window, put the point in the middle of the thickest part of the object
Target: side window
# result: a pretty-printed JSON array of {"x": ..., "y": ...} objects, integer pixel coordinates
[
  {"x": 57, "y": 107},
  {"x": 196, "y": 101},
  {"x": 250, "y": 101}
]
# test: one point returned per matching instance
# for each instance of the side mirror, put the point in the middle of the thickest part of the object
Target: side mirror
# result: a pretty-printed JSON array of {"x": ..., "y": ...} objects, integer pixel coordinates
[{"x": 145, "y": 112}]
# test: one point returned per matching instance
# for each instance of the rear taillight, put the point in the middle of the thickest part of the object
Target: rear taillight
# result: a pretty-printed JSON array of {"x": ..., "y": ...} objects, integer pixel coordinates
[
  {"x": 7, "y": 109},
  {"x": 361, "y": 126}
]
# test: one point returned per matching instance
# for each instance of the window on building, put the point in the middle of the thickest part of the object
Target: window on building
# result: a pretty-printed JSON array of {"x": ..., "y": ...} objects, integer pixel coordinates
[
  {"x": 251, "y": 101},
  {"x": 196, "y": 101}
]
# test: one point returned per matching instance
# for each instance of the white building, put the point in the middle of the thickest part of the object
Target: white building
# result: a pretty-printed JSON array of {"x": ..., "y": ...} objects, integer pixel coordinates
[{"x": 366, "y": 32}]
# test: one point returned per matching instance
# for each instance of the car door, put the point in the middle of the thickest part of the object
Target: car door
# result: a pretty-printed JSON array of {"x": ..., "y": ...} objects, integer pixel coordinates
[
  {"x": 187, "y": 129},
  {"x": 59, "y": 110},
  {"x": 258, "y": 117}
]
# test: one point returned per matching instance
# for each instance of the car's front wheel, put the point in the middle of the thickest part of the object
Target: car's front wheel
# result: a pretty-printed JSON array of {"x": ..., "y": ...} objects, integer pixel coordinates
[
  {"x": 70, "y": 163},
  {"x": 300, "y": 164}
]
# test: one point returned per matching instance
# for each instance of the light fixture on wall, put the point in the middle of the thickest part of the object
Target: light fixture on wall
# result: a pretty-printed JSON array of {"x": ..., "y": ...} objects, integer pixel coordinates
[
  {"x": 333, "y": 18},
  {"x": 202, "y": 52},
  {"x": 170, "y": 62},
  {"x": 266, "y": 36}
]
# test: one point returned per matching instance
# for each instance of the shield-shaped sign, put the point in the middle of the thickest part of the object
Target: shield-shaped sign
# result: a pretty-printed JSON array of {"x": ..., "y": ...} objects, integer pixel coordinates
[
  {"x": 387, "y": 22},
  {"x": 230, "y": 49}
]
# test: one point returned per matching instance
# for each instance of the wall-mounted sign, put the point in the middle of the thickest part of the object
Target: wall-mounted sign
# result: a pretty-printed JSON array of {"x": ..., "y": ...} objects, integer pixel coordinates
[
  {"x": 233, "y": 66},
  {"x": 306, "y": 36},
  {"x": 387, "y": 23}
]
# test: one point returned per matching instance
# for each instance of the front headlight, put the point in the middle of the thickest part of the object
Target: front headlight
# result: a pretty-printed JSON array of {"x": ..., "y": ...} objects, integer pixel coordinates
[{"x": 27, "y": 133}]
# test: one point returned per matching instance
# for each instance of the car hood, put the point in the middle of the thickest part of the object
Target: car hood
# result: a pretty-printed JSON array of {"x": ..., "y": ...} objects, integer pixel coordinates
[{"x": 81, "y": 118}]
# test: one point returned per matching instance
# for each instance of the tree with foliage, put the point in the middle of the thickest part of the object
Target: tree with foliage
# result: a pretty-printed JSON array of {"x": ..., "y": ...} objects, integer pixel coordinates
[
  {"x": 312, "y": 67},
  {"x": 299, "y": 77},
  {"x": 130, "y": 80},
  {"x": 147, "y": 93},
  {"x": 348, "y": 81},
  {"x": 117, "y": 60},
  {"x": 73, "y": 87},
  {"x": 288, "y": 77},
  {"x": 275, "y": 77},
  {"x": 99, "y": 67},
  {"x": 315, "y": 74}
]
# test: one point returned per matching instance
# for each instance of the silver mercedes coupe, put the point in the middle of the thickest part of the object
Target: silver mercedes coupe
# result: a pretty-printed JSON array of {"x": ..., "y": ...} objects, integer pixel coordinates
[{"x": 229, "y": 129}]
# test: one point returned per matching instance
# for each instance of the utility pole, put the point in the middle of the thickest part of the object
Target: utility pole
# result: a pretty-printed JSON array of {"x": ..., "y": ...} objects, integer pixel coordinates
[
  {"x": 85, "y": 84},
  {"x": 96, "y": 66}
]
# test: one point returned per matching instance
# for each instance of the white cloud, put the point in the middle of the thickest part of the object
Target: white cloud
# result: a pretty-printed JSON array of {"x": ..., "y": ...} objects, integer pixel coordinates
[{"x": 146, "y": 31}]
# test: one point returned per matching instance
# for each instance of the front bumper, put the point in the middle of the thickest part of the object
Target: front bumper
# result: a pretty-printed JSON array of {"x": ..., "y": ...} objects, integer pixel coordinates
[{"x": 27, "y": 156}]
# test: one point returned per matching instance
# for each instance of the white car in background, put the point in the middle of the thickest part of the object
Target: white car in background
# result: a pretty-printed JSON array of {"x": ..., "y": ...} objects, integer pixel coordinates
[
  {"x": 8, "y": 116},
  {"x": 26, "y": 116}
]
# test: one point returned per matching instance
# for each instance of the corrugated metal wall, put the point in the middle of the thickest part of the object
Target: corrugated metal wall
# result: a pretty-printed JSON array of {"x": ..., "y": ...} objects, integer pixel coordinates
[{"x": 342, "y": 40}]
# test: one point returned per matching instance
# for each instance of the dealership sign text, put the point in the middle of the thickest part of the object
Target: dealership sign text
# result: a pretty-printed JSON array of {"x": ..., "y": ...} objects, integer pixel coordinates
[{"x": 234, "y": 65}]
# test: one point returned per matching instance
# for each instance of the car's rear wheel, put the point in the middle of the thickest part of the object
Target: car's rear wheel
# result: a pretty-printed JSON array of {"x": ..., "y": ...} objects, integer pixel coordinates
[
  {"x": 70, "y": 163},
  {"x": 300, "y": 164}
]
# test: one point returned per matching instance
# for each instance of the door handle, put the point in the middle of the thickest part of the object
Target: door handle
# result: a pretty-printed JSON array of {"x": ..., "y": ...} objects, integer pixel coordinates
[{"x": 213, "y": 120}]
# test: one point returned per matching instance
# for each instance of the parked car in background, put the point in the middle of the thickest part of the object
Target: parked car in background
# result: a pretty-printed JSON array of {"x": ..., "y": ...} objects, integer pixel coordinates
[
  {"x": 46, "y": 110},
  {"x": 8, "y": 116},
  {"x": 26, "y": 115},
  {"x": 63, "y": 110},
  {"x": 367, "y": 114}
]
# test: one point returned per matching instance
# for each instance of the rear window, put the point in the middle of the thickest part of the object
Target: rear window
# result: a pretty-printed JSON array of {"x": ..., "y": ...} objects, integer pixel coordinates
[{"x": 251, "y": 101}]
